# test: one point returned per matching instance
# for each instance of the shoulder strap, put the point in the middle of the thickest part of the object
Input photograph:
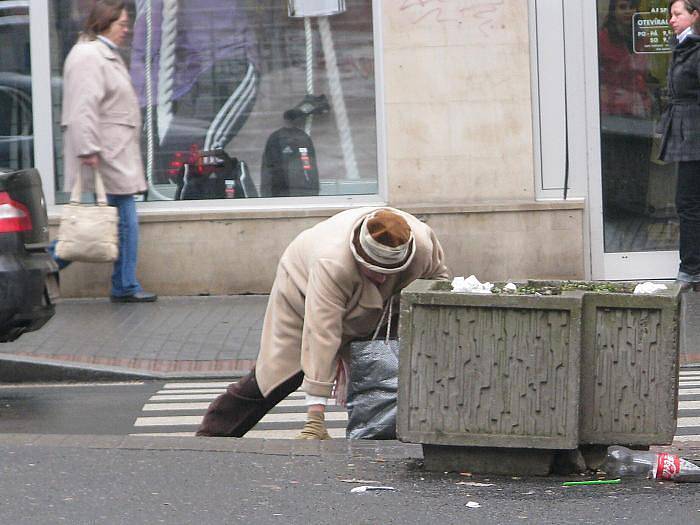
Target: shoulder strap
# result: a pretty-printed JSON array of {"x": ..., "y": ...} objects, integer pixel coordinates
[{"x": 388, "y": 309}]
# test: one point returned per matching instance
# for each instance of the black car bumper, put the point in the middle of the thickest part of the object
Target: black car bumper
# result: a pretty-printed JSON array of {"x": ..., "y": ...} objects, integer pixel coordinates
[{"x": 28, "y": 289}]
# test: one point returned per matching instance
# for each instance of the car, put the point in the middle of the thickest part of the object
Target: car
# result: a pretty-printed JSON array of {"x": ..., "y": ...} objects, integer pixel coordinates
[{"x": 28, "y": 273}]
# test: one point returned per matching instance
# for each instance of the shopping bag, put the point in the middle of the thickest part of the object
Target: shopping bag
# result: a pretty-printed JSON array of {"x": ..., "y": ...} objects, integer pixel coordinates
[
  {"x": 88, "y": 232},
  {"x": 372, "y": 389}
]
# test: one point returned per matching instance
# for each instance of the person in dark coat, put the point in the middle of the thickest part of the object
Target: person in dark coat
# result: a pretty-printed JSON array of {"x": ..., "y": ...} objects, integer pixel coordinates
[{"x": 681, "y": 131}]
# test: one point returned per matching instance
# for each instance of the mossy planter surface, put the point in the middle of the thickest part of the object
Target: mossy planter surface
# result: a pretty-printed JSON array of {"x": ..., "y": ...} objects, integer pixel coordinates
[{"x": 578, "y": 365}]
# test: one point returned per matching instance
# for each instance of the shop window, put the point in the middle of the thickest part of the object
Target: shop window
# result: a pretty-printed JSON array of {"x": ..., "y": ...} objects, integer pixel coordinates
[
  {"x": 228, "y": 75},
  {"x": 16, "y": 133}
]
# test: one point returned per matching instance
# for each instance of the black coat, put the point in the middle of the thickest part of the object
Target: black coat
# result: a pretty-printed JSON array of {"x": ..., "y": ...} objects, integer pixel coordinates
[{"x": 680, "y": 123}]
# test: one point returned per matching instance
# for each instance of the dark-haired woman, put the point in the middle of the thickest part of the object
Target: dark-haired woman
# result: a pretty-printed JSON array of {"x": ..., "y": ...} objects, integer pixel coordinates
[
  {"x": 681, "y": 132},
  {"x": 101, "y": 124}
]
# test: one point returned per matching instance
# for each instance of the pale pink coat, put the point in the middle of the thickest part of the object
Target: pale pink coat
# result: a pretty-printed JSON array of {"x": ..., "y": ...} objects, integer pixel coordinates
[
  {"x": 100, "y": 114},
  {"x": 320, "y": 301}
]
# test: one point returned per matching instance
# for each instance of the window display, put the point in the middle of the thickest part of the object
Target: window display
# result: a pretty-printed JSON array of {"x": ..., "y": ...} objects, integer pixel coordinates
[{"x": 245, "y": 98}]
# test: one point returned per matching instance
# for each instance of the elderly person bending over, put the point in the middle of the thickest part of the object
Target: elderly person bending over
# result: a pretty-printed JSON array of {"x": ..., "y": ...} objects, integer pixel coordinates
[{"x": 331, "y": 287}]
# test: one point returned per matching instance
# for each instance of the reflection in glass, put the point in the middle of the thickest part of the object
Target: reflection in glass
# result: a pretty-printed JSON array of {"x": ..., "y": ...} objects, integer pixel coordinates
[
  {"x": 224, "y": 74},
  {"x": 16, "y": 132},
  {"x": 638, "y": 190}
]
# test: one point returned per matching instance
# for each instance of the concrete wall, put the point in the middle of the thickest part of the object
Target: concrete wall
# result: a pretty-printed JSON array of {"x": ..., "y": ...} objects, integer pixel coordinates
[
  {"x": 230, "y": 253},
  {"x": 459, "y": 154},
  {"x": 458, "y": 105}
]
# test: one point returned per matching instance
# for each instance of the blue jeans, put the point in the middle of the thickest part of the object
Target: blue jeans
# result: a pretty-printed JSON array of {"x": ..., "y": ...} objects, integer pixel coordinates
[{"x": 124, "y": 280}]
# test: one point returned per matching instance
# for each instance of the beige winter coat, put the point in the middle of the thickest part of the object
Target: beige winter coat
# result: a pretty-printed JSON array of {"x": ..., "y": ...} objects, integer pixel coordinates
[
  {"x": 320, "y": 301},
  {"x": 101, "y": 115}
]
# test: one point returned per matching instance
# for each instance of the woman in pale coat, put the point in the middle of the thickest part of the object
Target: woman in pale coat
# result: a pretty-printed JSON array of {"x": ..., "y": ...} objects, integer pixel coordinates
[
  {"x": 101, "y": 125},
  {"x": 332, "y": 284}
]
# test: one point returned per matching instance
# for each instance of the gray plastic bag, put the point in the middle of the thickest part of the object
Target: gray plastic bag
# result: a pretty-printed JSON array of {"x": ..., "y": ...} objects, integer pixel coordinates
[
  {"x": 374, "y": 369},
  {"x": 372, "y": 387}
]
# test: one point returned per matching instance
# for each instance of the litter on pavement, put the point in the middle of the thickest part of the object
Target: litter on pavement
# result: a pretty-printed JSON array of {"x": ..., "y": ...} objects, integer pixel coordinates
[
  {"x": 593, "y": 482},
  {"x": 365, "y": 488},
  {"x": 355, "y": 480}
]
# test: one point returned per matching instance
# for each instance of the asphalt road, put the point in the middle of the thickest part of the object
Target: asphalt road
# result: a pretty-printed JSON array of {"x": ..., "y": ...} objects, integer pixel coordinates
[
  {"x": 79, "y": 483},
  {"x": 109, "y": 408},
  {"x": 80, "y": 486}
]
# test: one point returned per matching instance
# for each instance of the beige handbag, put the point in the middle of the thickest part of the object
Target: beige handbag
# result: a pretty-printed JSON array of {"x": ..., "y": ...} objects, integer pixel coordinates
[{"x": 88, "y": 232}]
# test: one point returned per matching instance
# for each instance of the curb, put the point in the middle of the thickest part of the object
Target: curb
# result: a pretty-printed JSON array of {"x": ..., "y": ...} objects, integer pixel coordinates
[
  {"x": 15, "y": 369},
  {"x": 371, "y": 449}
]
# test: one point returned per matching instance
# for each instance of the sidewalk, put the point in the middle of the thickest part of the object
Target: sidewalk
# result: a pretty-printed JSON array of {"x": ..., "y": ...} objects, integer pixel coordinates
[
  {"x": 216, "y": 336},
  {"x": 179, "y": 338}
]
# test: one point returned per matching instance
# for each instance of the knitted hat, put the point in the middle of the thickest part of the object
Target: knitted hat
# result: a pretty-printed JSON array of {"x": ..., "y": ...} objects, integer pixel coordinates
[{"x": 383, "y": 242}]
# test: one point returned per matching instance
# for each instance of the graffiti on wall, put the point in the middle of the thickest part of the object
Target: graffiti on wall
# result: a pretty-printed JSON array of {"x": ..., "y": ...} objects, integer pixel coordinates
[{"x": 486, "y": 13}]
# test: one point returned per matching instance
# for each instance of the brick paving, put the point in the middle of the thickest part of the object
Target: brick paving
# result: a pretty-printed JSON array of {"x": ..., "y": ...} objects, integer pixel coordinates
[{"x": 174, "y": 334}]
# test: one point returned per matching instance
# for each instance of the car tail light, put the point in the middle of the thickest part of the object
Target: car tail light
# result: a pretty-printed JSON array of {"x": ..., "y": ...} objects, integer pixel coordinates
[{"x": 14, "y": 216}]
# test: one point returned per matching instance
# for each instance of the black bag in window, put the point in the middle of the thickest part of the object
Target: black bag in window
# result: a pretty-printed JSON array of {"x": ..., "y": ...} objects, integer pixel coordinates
[
  {"x": 224, "y": 177},
  {"x": 289, "y": 167}
]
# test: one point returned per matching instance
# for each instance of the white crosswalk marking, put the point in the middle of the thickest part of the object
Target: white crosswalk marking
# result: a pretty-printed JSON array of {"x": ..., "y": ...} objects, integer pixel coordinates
[
  {"x": 688, "y": 406},
  {"x": 176, "y": 409},
  {"x": 690, "y": 382},
  {"x": 686, "y": 392},
  {"x": 157, "y": 421},
  {"x": 162, "y": 407}
]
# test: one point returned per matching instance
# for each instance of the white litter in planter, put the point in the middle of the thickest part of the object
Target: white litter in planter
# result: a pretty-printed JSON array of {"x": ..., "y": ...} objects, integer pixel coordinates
[
  {"x": 471, "y": 285},
  {"x": 648, "y": 287}
]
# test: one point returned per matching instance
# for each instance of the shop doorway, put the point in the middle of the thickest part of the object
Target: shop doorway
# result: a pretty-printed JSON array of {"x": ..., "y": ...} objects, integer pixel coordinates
[{"x": 635, "y": 225}]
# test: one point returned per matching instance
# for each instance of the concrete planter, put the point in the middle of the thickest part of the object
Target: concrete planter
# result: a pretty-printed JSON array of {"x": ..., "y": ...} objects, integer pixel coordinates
[{"x": 536, "y": 372}]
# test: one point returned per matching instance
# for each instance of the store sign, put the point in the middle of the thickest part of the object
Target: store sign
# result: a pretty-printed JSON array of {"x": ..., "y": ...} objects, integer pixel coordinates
[{"x": 651, "y": 32}]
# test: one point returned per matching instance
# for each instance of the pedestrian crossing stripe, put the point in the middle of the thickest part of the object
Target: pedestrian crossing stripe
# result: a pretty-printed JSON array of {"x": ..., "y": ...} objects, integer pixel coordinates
[
  {"x": 155, "y": 407},
  {"x": 156, "y": 421},
  {"x": 214, "y": 384},
  {"x": 336, "y": 433},
  {"x": 684, "y": 422},
  {"x": 178, "y": 408},
  {"x": 188, "y": 397}
]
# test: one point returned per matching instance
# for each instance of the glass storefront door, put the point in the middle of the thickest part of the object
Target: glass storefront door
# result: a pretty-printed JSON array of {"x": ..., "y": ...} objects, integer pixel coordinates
[{"x": 640, "y": 227}]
